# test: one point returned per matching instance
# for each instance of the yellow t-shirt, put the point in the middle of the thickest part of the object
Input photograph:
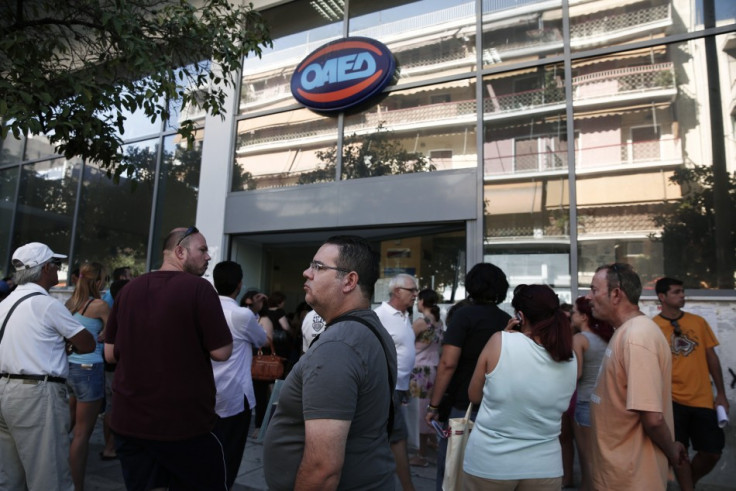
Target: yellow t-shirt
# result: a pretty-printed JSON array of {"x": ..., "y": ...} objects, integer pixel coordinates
[
  {"x": 634, "y": 376},
  {"x": 690, "y": 374}
]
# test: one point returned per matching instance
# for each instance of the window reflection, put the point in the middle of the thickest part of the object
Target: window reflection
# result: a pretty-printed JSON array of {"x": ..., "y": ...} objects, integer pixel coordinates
[
  {"x": 266, "y": 80},
  {"x": 283, "y": 149},
  {"x": 427, "y": 38},
  {"x": 11, "y": 149},
  {"x": 8, "y": 185},
  {"x": 113, "y": 223},
  {"x": 178, "y": 190},
  {"x": 48, "y": 192}
]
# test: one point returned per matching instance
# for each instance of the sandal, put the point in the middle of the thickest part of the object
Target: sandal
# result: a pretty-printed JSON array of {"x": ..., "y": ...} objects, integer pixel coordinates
[{"x": 418, "y": 461}]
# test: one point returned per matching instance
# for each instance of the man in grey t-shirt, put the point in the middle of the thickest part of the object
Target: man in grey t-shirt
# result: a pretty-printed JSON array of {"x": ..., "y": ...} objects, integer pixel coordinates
[{"x": 330, "y": 427}]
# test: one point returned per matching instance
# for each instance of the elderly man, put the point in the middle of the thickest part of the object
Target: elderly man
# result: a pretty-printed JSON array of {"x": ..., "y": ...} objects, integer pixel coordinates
[
  {"x": 694, "y": 363},
  {"x": 164, "y": 328},
  {"x": 235, "y": 396},
  {"x": 395, "y": 318},
  {"x": 631, "y": 407},
  {"x": 330, "y": 426},
  {"x": 34, "y": 412}
]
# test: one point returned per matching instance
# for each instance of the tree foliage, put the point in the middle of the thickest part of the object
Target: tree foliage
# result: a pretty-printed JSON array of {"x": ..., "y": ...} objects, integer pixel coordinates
[
  {"x": 688, "y": 229},
  {"x": 375, "y": 154},
  {"x": 73, "y": 69}
]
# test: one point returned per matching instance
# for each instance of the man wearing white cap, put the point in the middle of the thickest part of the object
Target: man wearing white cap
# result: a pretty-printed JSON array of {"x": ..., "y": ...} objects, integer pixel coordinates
[{"x": 34, "y": 412}]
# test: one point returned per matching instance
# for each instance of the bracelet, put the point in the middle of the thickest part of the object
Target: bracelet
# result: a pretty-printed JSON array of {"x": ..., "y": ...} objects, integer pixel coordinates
[{"x": 432, "y": 409}]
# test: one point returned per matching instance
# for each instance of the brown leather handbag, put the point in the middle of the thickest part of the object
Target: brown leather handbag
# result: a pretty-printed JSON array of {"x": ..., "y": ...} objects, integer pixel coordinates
[{"x": 267, "y": 368}]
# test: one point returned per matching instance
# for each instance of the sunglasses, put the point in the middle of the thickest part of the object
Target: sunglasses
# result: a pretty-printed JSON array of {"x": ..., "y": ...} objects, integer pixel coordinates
[
  {"x": 191, "y": 230},
  {"x": 676, "y": 326}
]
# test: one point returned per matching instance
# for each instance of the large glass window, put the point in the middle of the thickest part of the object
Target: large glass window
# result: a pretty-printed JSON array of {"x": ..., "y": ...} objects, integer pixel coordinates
[
  {"x": 284, "y": 149},
  {"x": 178, "y": 190},
  {"x": 520, "y": 30},
  {"x": 297, "y": 29},
  {"x": 11, "y": 149},
  {"x": 647, "y": 155},
  {"x": 428, "y": 39},
  {"x": 45, "y": 212},
  {"x": 8, "y": 185},
  {"x": 113, "y": 224}
]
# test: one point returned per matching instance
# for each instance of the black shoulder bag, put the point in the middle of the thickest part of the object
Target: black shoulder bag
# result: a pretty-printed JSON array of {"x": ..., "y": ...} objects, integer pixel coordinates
[{"x": 391, "y": 381}]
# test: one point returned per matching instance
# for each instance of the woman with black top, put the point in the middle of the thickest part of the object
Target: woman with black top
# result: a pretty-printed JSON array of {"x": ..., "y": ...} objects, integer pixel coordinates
[{"x": 467, "y": 333}]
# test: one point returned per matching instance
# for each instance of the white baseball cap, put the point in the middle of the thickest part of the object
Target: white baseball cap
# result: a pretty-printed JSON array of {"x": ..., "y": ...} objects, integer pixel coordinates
[{"x": 33, "y": 254}]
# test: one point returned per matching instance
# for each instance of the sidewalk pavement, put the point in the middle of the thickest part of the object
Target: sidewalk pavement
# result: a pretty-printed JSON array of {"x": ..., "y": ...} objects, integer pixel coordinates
[{"x": 107, "y": 476}]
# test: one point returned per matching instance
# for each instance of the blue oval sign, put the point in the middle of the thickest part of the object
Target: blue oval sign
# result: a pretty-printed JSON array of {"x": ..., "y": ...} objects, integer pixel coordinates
[{"x": 342, "y": 74}]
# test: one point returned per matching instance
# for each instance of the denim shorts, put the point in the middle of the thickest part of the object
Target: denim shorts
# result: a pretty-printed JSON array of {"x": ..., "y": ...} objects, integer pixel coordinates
[
  {"x": 582, "y": 413},
  {"x": 86, "y": 382}
]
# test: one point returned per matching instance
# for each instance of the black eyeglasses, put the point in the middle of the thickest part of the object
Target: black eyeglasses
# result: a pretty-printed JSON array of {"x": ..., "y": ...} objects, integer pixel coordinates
[
  {"x": 191, "y": 230},
  {"x": 413, "y": 290},
  {"x": 676, "y": 325},
  {"x": 56, "y": 262},
  {"x": 318, "y": 266}
]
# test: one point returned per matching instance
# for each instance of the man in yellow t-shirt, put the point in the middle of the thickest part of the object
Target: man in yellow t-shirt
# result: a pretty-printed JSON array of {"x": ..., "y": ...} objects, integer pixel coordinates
[
  {"x": 631, "y": 405},
  {"x": 694, "y": 363}
]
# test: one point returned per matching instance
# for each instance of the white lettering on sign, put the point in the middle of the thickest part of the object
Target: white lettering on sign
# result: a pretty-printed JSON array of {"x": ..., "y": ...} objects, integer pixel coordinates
[{"x": 348, "y": 67}]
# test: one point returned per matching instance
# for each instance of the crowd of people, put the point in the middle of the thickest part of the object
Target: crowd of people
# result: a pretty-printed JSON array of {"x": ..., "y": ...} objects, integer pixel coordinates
[{"x": 167, "y": 358}]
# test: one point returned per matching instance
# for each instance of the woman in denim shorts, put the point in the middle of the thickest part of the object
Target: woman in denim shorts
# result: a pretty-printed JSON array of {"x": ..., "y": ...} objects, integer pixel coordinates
[
  {"x": 590, "y": 346},
  {"x": 86, "y": 379}
]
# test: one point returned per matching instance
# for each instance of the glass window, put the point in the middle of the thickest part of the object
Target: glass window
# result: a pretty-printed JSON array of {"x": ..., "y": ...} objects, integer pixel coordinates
[
  {"x": 415, "y": 130},
  {"x": 648, "y": 153},
  {"x": 48, "y": 192},
  {"x": 526, "y": 193},
  {"x": 427, "y": 38},
  {"x": 178, "y": 190},
  {"x": 8, "y": 185},
  {"x": 284, "y": 149},
  {"x": 113, "y": 223},
  {"x": 11, "y": 149},
  {"x": 520, "y": 30},
  {"x": 38, "y": 146},
  {"x": 266, "y": 80}
]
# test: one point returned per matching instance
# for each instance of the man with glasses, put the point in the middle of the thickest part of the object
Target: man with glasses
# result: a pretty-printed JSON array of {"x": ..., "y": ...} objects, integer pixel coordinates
[
  {"x": 631, "y": 405},
  {"x": 395, "y": 318},
  {"x": 330, "y": 426},
  {"x": 694, "y": 363},
  {"x": 164, "y": 329},
  {"x": 34, "y": 410}
]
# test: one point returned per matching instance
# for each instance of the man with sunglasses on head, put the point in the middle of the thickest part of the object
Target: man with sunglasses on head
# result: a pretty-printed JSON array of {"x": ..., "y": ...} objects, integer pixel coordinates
[
  {"x": 631, "y": 405},
  {"x": 694, "y": 363},
  {"x": 330, "y": 428},
  {"x": 164, "y": 329},
  {"x": 34, "y": 410}
]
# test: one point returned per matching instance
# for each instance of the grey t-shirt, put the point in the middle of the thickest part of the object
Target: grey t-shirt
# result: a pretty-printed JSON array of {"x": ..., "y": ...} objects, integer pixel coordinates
[
  {"x": 342, "y": 376},
  {"x": 592, "y": 359}
]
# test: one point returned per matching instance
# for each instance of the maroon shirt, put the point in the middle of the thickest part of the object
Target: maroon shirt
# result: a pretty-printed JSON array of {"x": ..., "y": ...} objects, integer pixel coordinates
[{"x": 163, "y": 325}]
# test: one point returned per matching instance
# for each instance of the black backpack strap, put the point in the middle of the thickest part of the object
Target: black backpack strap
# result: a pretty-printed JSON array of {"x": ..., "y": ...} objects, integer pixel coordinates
[
  {"x": 10, "y": 312},
  {"x": 391, "y": 381}
]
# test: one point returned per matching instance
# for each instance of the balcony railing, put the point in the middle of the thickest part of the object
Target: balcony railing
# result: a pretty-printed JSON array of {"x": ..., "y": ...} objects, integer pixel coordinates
[
  {"x": 610, "y": 24},
  {"x": 663, "y": 150}
]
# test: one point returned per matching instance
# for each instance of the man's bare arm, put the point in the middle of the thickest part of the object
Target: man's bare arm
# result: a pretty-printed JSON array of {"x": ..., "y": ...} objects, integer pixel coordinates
[
  {"x": 714, "y": 367},
  {"x": 324, "y": 454},
  {"x": 656, "y": 428}
]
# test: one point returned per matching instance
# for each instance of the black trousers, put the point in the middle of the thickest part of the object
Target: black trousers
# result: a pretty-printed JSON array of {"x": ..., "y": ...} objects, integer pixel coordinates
[{"x": 232, "y": 432}]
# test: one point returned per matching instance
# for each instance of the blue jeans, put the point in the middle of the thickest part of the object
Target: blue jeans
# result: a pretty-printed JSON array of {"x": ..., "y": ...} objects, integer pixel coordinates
[{"x": 86, "y": 382}]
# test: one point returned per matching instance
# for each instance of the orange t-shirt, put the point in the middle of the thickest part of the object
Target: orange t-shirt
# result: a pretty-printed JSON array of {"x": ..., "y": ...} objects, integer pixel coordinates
[
  {"x": 690, "y": 374},
  {"x": 635, "y": 376}
]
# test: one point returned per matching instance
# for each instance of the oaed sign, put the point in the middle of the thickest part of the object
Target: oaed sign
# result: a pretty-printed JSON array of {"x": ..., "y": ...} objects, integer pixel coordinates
[{"x": 342, "y": 74}]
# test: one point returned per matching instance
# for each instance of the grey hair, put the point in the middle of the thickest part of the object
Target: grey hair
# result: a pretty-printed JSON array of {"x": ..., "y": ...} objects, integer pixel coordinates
[
  {"x": 30, "y": 275},
  {"x": 399, "y": 280}
]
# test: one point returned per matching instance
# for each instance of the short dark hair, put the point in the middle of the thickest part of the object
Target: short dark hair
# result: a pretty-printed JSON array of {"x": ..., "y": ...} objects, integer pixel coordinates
[
  {"x": 227, "y": 276},
  {"x": 486, "y": 283},
  {"x": 357, "y": 254},
  {"x": 599, "y": 327},
  {"x": 623, "y": 276},
  {"x": 663, "y": 284},
  {"x": 118, "y": 272}
]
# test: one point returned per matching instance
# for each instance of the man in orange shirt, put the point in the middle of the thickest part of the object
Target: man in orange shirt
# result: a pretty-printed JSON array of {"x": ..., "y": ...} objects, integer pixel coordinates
[
  {"x": 631, "y": 406},
  {"x": 694, "y": 363}
]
